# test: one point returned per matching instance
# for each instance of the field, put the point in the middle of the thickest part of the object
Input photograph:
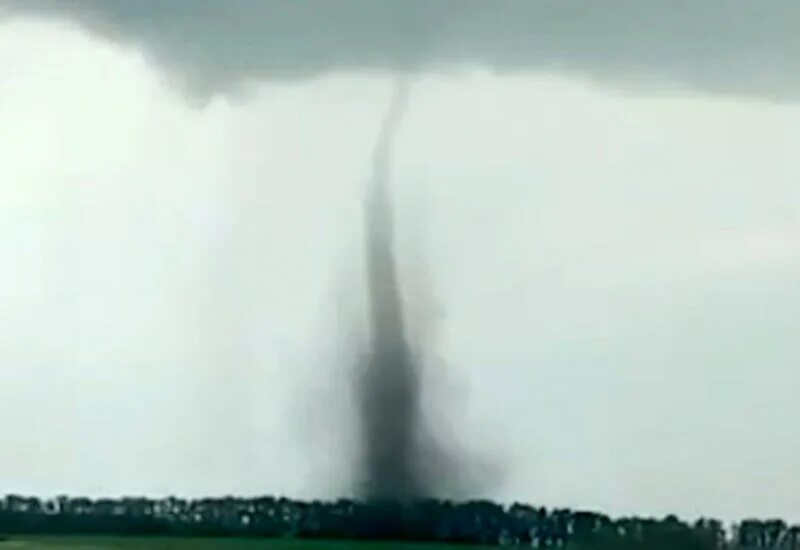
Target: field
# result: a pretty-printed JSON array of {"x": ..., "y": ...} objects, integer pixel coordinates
[{"x": 135, "y": 543}]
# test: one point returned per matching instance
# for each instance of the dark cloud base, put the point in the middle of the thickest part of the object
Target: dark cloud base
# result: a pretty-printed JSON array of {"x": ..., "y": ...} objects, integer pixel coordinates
[{"x": 737, "y": 47}]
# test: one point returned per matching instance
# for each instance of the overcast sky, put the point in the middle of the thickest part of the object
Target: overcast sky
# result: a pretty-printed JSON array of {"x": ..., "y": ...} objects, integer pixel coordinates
[{"x": 600, "y": 249}]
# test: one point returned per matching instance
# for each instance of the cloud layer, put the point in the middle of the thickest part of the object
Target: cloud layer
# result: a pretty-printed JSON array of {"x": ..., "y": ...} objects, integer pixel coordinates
[{"x": 724, "y": 46}]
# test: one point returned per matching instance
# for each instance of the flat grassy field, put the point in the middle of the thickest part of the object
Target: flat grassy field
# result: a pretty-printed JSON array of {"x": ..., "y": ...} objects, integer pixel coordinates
[{"x": 159, "y": 543}]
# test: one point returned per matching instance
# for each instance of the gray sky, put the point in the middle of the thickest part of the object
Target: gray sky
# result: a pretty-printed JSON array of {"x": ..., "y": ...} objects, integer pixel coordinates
[
  {"x": 730, "y": 46},
  {"x": 614, "y": 269}
]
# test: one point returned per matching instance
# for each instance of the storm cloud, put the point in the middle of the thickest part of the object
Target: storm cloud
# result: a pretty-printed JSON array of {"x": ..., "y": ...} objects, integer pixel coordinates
[{"x": 720, "y": 46}]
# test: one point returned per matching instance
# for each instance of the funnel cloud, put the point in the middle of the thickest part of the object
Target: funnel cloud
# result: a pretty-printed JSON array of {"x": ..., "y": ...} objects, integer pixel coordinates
[{"x": 389, "y": 385}]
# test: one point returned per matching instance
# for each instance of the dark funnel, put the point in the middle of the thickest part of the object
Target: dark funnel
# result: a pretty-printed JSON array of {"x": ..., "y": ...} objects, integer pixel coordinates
[{"x": 389, "y": 386}]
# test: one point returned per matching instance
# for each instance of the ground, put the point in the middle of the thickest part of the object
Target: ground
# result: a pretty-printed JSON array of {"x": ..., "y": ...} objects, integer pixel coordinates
[{"x": 135, "y": 543}]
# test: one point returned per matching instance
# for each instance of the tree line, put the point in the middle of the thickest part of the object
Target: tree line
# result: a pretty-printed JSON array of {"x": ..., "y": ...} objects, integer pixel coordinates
[{"x": 475, "y": 522}]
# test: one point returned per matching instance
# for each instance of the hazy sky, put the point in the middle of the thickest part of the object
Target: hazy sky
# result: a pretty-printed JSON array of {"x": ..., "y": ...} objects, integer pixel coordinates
[{"x": 606, "y": 273}]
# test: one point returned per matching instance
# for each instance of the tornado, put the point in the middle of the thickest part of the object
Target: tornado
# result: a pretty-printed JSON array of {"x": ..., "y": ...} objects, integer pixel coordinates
[{"x": 389, "y": 385}]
